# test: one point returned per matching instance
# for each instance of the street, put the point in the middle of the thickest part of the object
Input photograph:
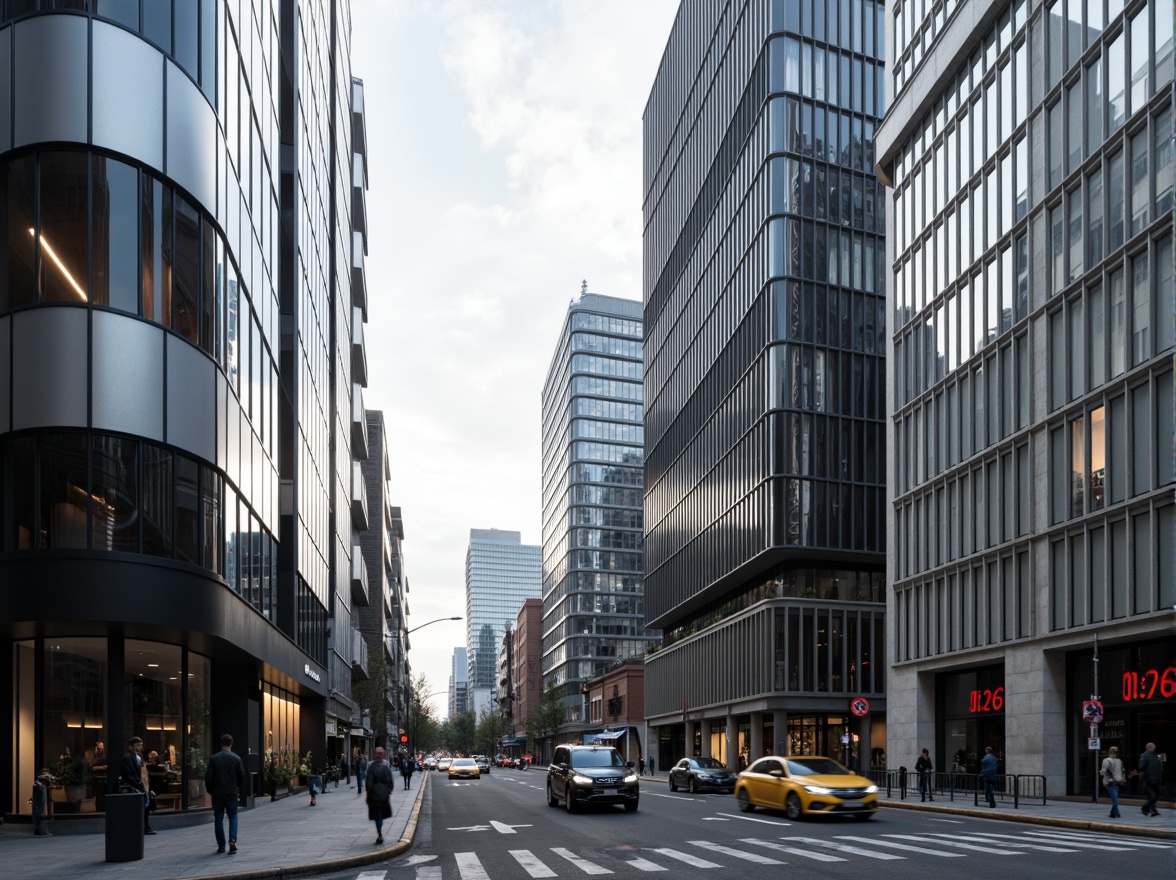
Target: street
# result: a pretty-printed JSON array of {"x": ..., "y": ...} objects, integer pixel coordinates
[{"x": 500, "y": 828}]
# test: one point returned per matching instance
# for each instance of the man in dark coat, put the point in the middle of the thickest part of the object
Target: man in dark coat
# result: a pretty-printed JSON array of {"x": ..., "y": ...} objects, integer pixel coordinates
[
  {"x": 224, "y": 778},
  {"x": 379, "y": 796},
  {"x": 1151, "y": 769},
  {"x": 132, "y": 776}
]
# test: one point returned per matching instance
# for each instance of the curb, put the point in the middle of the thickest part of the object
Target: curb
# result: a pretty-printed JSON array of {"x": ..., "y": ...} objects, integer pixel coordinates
[
  {"x": 329, "y": 866},
  {"x": 1029, "y": 819}
]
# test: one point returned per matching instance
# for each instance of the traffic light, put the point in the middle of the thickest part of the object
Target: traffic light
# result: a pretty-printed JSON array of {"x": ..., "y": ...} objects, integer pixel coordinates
[{"x": 404, "y": 739}]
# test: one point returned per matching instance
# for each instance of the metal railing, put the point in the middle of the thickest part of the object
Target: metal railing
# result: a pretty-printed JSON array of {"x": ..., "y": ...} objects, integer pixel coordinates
[{"x": 1007, "y": 788}]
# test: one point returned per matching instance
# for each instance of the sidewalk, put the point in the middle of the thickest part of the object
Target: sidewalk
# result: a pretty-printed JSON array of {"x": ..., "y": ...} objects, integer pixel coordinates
[
  {"x": 278, "y": 839},
  {"x": 1080, "y": 815}
]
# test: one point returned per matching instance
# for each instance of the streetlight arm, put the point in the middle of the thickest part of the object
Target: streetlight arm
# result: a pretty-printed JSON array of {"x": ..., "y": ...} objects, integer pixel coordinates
[{"x": 423, "y": 625}]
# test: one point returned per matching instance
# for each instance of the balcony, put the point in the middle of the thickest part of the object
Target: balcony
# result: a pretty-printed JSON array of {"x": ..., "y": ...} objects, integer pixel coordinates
[
  {"x": 359, "y": 656},
  {"x": 360, "y": 591},
  {"x": 359, "y": 366},
  {"x": 359, "y": 429},
  {"x": 359, "y": 499},
  {"x": 359, "y": 297}
]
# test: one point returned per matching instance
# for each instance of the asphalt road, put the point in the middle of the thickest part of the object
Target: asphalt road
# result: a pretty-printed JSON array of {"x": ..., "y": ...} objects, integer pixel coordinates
[{"x": 500, "y": 828}]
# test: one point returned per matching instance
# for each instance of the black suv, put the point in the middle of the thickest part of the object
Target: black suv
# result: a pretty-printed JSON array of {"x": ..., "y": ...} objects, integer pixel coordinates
[{"x": 582, "y": 775}]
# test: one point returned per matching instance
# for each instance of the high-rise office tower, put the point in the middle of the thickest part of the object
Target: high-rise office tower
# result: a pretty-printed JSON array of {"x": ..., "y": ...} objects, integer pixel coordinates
[
  {"x": 593, "y": 592},
  {"x": 176, "y": 353},
  {"x": 764, "y": 432},
  {"x": 1028, "y": 151},
  {"x": 458, "y": 683},
  {"x": 501, "y": 573}
]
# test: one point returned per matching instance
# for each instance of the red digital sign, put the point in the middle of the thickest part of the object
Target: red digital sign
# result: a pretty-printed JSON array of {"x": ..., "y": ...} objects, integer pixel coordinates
[
  {"x": 1149, "y": 684},
  {"x": 986, "y": 700}
]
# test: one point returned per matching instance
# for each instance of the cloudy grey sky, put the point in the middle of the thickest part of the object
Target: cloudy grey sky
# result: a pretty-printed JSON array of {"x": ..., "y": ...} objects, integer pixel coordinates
[{"x": 504, "y": 145}]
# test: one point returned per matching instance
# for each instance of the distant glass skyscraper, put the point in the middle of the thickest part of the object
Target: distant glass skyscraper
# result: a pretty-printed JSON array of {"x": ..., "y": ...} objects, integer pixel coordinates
[
  {"x": 1032, "y": 333},
  {"x": 458, "y": 683},
  {"x": 765, "y": 407},
  {"x": 593, "y": 592},
  {"x": 501, "y": 573}
]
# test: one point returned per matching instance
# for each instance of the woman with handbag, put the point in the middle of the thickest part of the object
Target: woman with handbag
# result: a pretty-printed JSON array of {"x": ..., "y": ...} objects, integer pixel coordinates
[{"x": 1112, "y": 777}]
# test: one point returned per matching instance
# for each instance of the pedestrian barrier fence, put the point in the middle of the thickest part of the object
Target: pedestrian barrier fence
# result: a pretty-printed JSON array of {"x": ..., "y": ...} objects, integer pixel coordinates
[{"x": 1008, "y": 788}]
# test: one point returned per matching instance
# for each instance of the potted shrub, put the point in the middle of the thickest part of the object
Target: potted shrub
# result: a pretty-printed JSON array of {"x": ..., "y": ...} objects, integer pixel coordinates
[
  {"x": 72, "y": 775},
  {"x": 196, "y": 768}
]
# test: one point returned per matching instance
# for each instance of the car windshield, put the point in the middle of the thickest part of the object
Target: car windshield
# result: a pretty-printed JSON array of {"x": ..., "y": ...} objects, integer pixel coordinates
[
  {"x": 597, "y": 758},
  {"x": 815, "y": 767},
  {"x": 708, "y": 764},
  {"x": 464, "y": 762}
]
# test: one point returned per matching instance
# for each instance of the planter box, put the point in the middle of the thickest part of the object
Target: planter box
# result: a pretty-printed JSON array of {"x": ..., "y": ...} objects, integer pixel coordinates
[{"x": 277, "y": 792}]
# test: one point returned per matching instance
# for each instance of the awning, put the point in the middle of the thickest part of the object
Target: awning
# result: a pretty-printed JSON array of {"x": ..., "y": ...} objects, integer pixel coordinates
[
  {"x": 516, "y": 741},
  {"x": 607, "y": 736}
]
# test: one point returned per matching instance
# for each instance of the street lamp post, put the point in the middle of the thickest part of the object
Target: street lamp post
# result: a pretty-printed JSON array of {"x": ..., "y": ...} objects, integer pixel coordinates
[{"x": 411, "y": 719}]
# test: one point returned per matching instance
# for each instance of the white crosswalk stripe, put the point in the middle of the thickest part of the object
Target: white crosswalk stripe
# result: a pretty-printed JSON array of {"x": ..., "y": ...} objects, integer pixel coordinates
[
  {"x": 428, "y": 872},
  {"x": 841, "y": 847},
  {"x": 1114, "y": 839},
  {"x": 372, "y": 875},
  {"x": 905, "y": 847},
  {"x": 531, "y": 863},
  {"x": 1013, "y": 840},
  {"x": 792, "y": 850},
  {"x": 736, "y": 853},
  {"x": 955, "y": 843},
  {"x": 469, "y": 867},
  {"x": 646, "y": 865},
  {"x": 686, "y": 857},
  {"x": 583, "y": 864}
]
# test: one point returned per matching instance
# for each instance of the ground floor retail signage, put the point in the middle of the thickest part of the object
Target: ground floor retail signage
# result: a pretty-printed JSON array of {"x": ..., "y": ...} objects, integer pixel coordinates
[{"x": 312, "y": 674}]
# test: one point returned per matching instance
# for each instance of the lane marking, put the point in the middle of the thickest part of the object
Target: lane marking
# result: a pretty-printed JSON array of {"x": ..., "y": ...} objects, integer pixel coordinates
[
  {"x": 754, "y": 819},
  {"x": 503, "y": 828},
  {"x": 735, "y": 853},
  {"x": 372, "y": 875},
  {"x": 644, "y": 865},
  {"x": 531, "y": 863},
  {"x": 957, "y": 845},
  {"x": 907, "y": 847},
  {"x": 1068, "y": 836},
  {"x": 583, "y": 864},
  {"x": 1016, "y": 840},
  {"x": 841, "y": 847},
  {"x": 428, "y": 872},
  {"x": 793, "y": 850},
  {"x": 685, "y": 857},
  {"x": 469, "y": 867}
]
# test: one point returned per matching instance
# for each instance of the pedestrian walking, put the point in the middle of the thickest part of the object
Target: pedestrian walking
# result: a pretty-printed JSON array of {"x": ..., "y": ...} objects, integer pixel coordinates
[
  {"x": 344, "y": 771},
  {"x": 652, "y": 766},
  {"x": 1151, "y": 771},
  {"x": 224, "y": 777},
  {"x": 379, "y": 796},
  {"x": 1112, "y": 777},
  {"x": 132, "y": 776},
  {"x": 924, "y": 768},
  {"x": 407, "y": 768},
  {"x": 361, "y": 766},
  {"x": 988, "y": 774},
  {"x": 641, "y": 766}
]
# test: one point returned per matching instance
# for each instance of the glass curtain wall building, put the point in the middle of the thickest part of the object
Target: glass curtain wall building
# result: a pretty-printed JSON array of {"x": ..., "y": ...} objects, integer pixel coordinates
[
  {"x": 501, "y": 573},
  {"x": 764, "y": 431},
  {"x": 593, "y": 591},
  {"x": 1028, "y": 151},
  {"x": 152, "y": 243}
]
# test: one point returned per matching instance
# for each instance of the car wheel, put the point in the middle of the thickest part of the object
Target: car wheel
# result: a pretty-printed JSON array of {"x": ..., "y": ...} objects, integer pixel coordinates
[
  {"x": 631, "y": 806},
  {"x": 570, "y": 800},
  {"x": 744, "y": 801},
  {"x": 673, "y": 785},
  {"x": 690, "y": 786},
  {"x": 552, "y": 801},
  {"x": 792, "y": 805}
]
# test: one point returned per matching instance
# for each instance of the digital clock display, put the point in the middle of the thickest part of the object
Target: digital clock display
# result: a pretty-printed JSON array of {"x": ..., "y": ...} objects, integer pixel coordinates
[
  {"x": 1149, "y": 684},
  {"x": 986, "y": 700}
]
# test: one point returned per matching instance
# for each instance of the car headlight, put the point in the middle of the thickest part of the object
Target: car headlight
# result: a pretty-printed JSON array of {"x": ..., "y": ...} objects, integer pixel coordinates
[
  {"x": 871, "y": 789},
  {"x": 581, "y": 780},
  {"x": 632, "y": 777},
  {"x": 706, "y": 777},
  {"x": 816, "y": 789}
]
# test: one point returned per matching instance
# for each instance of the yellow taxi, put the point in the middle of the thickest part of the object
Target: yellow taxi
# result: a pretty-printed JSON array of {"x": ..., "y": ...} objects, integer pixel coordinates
[
  {"x": 465, "y": 768},
  {"x": 802, "y": 785}
]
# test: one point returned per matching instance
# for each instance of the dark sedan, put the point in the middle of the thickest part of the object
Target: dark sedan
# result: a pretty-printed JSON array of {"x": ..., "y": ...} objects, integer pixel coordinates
[{"x": 701, "y": 774}]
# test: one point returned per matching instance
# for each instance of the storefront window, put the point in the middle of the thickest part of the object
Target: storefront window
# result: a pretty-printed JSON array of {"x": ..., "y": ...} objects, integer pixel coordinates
[
  {"x": 75, "y": 724},
  {"x": 152, "y": 675},
  {"x": 199, "y": 722},
  {"x": 972, "y": 706},
  {"x": 281, "y": 709}
]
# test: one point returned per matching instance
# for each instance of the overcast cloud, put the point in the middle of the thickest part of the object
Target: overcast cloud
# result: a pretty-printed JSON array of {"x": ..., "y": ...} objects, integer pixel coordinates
[{"x": 504, "y": 149}]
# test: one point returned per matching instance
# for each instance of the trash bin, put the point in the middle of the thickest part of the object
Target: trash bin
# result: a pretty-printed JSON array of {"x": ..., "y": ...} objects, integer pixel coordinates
[{"x": 124, "y": 827}]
